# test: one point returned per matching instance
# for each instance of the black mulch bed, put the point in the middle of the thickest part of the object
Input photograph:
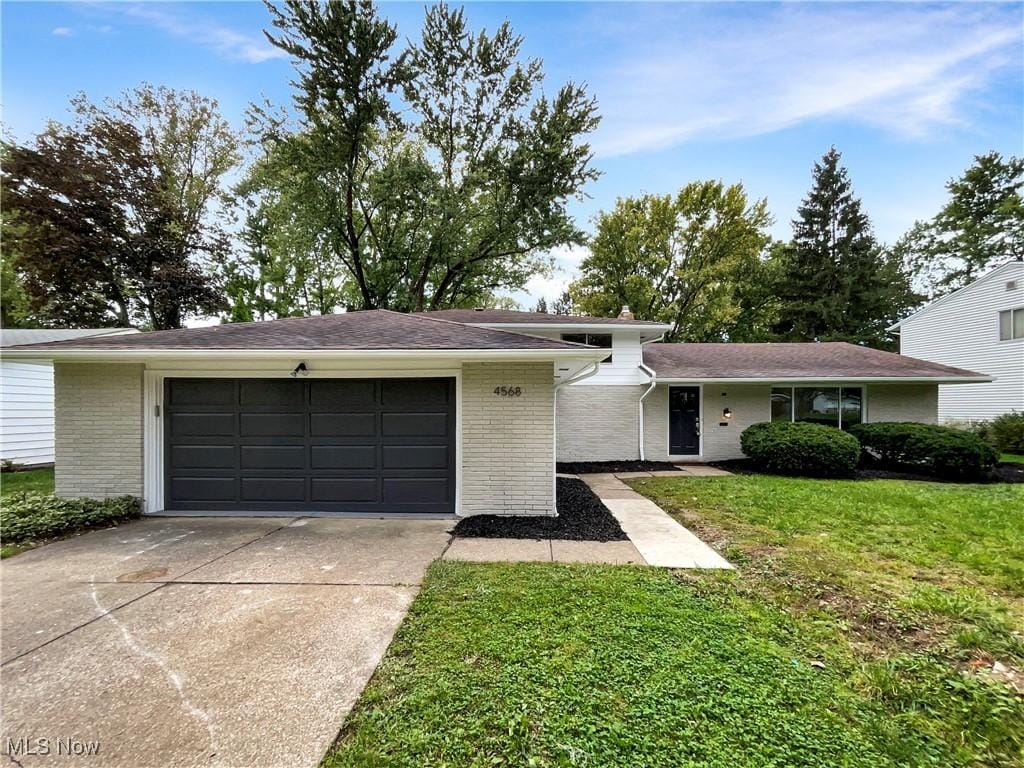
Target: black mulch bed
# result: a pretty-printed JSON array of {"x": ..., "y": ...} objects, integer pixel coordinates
[
  {"x": 598, "y": 467},
  {"x": 581, "y": 517},
  {"x": 1005, "y": 472}
]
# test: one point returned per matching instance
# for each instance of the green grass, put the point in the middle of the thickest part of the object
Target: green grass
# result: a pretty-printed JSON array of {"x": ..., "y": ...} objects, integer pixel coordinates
[
  {"x": 1014, "y": 458},
  {"x": 36, "y": 480},
  {"x": 857, "y": 630}
]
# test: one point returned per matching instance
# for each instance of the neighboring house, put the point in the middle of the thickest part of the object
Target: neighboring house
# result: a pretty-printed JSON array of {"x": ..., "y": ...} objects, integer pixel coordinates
[
  {"x": 981, "y": 327},
  {"x": 26, "y": 396},
  {"x": 455, "y": 412}
]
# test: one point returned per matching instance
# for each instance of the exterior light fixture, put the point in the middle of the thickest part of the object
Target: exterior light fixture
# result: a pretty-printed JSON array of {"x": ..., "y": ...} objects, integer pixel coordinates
[
  {"x": 300, "y": 369},
  {"x": 726, "y": 413}
]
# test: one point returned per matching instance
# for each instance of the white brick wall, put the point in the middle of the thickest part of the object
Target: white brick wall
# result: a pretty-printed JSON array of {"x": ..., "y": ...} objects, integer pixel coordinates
[
  {"x": 98, "y": 415},
  {"x": 598, "y": 423},
  {"x": 508, "y": 442},
  {"x": 903, "y": 402}
]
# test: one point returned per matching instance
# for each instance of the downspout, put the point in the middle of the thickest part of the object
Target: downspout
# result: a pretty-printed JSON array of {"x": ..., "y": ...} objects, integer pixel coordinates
[
  {"x": 640, "y": 406},
  {"x": 595, "y": 367}
]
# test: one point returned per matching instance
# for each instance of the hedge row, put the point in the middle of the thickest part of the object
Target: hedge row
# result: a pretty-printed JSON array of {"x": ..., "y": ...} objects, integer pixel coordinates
[
  {"x": 944, "y": 452},
  {"x": 1005, "y": 433},
  {"x": 35, "y": 516},
  {"x": 800, "y": 448}
]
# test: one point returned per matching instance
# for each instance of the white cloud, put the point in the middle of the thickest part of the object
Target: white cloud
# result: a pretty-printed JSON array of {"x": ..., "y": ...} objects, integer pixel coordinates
[
  {"x": 550, "y": 287},
  {"x": 62, "y": 31},
  {"x": 224, "y": 41},
  {"x": 904, "y": 68}
]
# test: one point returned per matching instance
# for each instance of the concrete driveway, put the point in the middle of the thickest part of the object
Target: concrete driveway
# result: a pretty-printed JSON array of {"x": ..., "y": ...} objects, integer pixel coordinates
[{"x": 201, "y": 641}]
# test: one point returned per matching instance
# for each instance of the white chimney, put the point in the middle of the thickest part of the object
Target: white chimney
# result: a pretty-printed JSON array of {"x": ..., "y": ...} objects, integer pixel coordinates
[{"x": 625, "y": 314}]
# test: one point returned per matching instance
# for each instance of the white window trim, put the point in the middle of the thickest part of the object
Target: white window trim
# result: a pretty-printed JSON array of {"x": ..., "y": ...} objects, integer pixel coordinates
[
  {"x": 586, "y": 336},
  {"x": 668, "y": 425},
  {"x": 830, "y": 385},
  {"x": 999, "y": 317},
  {"x": 153, "y": 416}
]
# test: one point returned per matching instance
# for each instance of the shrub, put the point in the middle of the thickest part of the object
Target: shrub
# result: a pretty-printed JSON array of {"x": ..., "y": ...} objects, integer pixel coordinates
[
  {"x": 943, "y": 452},
  {"x": 34, "y": 516},
  {"x": 1005, "y": 433},
  {"x": 798, "y": 448}
]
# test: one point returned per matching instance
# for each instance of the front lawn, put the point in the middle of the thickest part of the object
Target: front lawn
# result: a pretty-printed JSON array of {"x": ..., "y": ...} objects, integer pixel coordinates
[
  {"x": 35, "y": 480},
  {"x": 1012, "y": 458},
  {"x": 859, "y": 629}
]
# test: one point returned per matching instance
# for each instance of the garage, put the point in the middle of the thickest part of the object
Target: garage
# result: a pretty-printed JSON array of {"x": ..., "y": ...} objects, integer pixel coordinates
[{"x": 365, "y": 446}]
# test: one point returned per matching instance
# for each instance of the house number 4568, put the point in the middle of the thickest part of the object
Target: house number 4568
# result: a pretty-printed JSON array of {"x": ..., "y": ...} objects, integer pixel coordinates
[{"x": 508, "y": 391}]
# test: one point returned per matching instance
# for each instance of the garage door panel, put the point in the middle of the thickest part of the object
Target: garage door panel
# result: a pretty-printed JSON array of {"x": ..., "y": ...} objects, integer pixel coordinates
[
  {"x": 415, "y": 456},
  {"x": 415, "y": 424},
  {"x": 415, "y": 490},
  {"x": 406, "y": 393},
  {"x": 274, "y": 489},
  {"x": 201, "y": 424},
  {"x": 343, "y": 457},
  {"x": 273, "y": 457},
  {"x": 343, "y": 424},
  {"x": 344, "y": 489},
  {"x": 203, "y": 456},
  {"x": 272, "y": 425},
  {"x": 342, "y": 445},
  {"x": 271, "y": 392},
  {"x": 203, "y": 489},
  {"x": 350, "y": 393},
  {"x": 201, "y": 392}
]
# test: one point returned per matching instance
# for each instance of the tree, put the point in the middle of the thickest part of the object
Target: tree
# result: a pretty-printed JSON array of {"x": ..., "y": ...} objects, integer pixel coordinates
[
  {"x": 112, "y": 211},
  {"x": 542, "y": 305},
  {"x": 981, "y": 226},
  {"x": 437, "y": 176},
  {"x": 836, "y": 282},
  {"x": 677, "y": 259}
]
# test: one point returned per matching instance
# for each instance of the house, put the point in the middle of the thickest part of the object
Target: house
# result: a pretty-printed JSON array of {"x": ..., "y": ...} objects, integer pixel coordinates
[
  {"x": 26, "y": 396},
  {"x": 453, "y": 412},
  {"x": 980, "y": 327}
]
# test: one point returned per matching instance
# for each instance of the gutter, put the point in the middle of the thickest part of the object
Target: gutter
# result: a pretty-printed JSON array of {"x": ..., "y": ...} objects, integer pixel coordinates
[
  {"x": 115, "y": 355},
  {"x": 640, "y": 406}
]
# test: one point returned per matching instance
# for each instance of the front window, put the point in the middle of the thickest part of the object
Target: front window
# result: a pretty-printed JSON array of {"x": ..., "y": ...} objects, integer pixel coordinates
[
  {"x": 833, "y": 406},
  {"x": 1011, "y": 324},
  {"x": 603, "y": 340}
]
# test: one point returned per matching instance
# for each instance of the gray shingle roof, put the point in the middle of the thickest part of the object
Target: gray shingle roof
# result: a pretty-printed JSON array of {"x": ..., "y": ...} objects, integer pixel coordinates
[
  {"x": 825, "y": 360},
  {"x": 370, "y": 330},
  {"x": 10, "y": 337},
  {"x": 499, "y": 316}
]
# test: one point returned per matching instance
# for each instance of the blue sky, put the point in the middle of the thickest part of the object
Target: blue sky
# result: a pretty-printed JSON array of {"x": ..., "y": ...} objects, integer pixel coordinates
[{"x": 750, "y": 92}]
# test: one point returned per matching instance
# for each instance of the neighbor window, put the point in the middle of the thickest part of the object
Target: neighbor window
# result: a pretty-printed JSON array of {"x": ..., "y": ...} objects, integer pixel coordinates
[
  {"x": 1011, "y": 324},
  {"x": 833, "y": 406},
  {"x": 603, "y": 340}
]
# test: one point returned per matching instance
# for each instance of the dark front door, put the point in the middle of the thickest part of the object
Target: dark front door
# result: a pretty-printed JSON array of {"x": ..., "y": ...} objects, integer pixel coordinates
[
  {"x": 307, "y": 445},
  {"x": 684, "y": 421}
]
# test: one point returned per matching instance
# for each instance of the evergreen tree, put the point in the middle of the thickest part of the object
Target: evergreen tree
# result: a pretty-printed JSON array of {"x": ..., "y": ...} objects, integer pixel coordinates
[{"x": 837, "y": 282}]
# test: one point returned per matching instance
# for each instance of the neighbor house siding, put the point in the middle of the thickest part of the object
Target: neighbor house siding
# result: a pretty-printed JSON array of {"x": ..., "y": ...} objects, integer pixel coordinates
[
  {"x": 903, "y": 402},
  {"x": 507, "y": 442},
  {"x": 598, "y": 423},
  {"x": 26, "y": 412},
  {"x": 962, "y": 330},
  {"x": 98, "y": 412}
]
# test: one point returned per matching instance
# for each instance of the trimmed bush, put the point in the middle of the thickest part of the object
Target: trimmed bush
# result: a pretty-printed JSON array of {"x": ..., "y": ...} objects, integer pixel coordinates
[
  {"x": 943, "y": 452},
  {"x": 1005, "y": 433},
  {"x": 34, "y": 516},
  {"x": 800, "y": 448}
]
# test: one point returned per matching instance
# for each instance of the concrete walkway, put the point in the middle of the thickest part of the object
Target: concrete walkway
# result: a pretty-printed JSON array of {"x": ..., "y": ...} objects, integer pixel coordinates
[
  {"x": 543, "y": 550},
  {"x": 659, "y": 538}
]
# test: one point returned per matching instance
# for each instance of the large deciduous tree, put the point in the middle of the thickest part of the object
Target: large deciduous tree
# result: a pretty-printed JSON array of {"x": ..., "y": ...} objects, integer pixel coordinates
[
  {"x": 688, "y": 259},
  {"x": 980, "y": 226},
  {"x": 112, "y": 214},
  {"x": 435, "y": 175},
  {"x": 836, "y": 282}
]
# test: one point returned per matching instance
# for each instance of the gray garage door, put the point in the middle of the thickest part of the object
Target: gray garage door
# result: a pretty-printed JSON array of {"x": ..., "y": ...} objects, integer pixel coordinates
[{"x": 331, "y": 445}]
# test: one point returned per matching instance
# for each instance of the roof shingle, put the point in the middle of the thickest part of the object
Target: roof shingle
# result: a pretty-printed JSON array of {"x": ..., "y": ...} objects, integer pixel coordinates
[
  {"x": 370, "y": 330},
  {"x": 501, "y": 316},
  {"x": 824, "y": 360}
]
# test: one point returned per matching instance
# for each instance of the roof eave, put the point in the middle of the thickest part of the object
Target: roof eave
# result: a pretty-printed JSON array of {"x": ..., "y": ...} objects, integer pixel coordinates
[
  {"x": 141, "y": 355},
  {"x": 825, "y": 379}
]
